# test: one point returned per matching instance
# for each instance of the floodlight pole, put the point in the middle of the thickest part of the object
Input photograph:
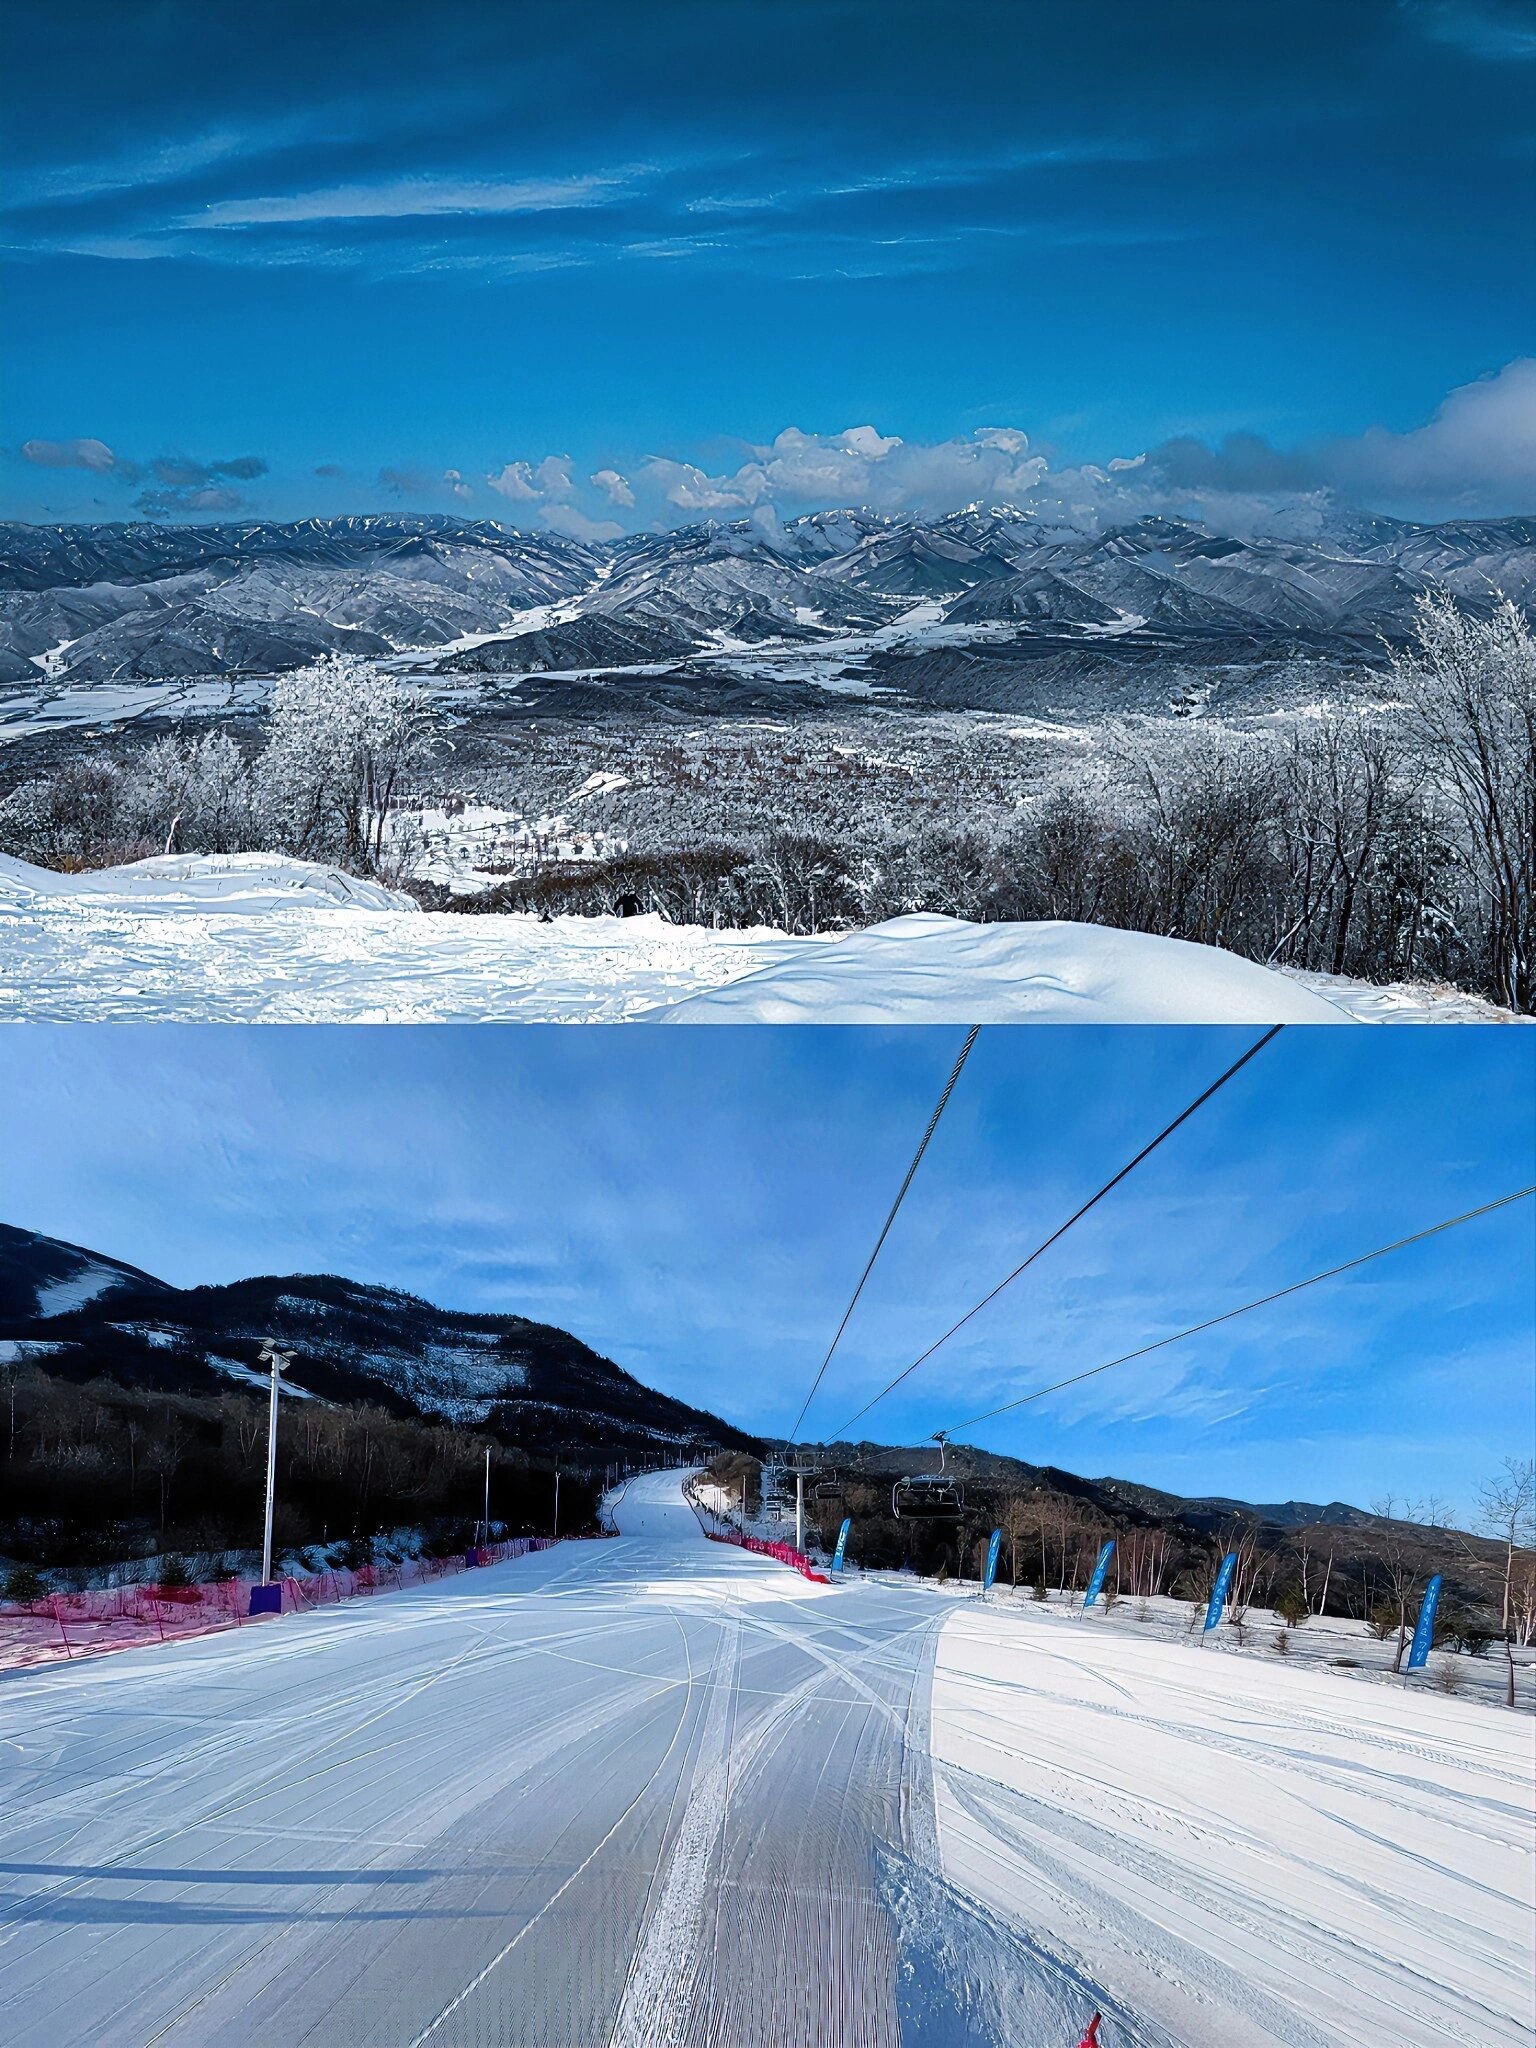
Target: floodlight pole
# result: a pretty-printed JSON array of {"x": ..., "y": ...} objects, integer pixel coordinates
[
  {"x": 486, "y": 1523},
  {"x": 279, "y": 1361}
]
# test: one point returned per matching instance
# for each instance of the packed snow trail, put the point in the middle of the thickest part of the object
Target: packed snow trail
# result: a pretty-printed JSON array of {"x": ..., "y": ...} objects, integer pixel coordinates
[
  {"x": 656, "y": 1790},
  {"x": 626, "y": 1791},
  {"x": 1258, "y": 1856}
]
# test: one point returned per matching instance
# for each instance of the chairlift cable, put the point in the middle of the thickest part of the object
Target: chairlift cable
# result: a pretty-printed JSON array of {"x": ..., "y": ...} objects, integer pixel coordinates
[
  {"x": 933, "y": 1124},
  {"x": 1062, "y": 1229},
  {"x": 1263, "y": 1301}
]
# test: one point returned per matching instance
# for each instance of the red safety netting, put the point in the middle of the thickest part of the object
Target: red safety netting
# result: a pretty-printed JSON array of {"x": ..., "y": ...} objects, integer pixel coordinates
[
  {"x": 70, "y": 1625},
  {"x": 786, "y": 1553}
]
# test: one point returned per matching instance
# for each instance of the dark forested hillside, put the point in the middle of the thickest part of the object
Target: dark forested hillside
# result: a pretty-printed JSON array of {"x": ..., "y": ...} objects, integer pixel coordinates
[{"x": 82, "y": 1317}]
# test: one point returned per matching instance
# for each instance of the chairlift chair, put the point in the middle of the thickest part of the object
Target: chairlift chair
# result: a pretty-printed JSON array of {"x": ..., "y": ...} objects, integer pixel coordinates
[{"x": 929, "y": 1496}]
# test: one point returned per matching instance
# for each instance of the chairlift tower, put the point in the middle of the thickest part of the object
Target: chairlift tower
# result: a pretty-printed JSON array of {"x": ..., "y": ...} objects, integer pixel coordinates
[{"x": 802, "y": 1471}]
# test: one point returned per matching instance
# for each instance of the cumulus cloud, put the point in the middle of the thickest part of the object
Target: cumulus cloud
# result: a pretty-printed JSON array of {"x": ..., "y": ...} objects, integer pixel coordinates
[
  {"x": 551, "y": 487},
  {"x": 1476, "y": 454},
  {"x": 614, "y": 487},
  {"x": 858, "y": 466},
  {"x": 403, "y": 481},
  {"x": 184, "y": 483},
  {"x": 406, "y": 483},
  {"x": 1479, "y": 448},
  {"x": 577, "y": 525},
  {"x": 181, "y": 484},
  {"x": 181, "y": 472},
  {"x": 177, "y": 503},
  {"x": 529, "y": 482},
  {"x": 81, "y": 454}
]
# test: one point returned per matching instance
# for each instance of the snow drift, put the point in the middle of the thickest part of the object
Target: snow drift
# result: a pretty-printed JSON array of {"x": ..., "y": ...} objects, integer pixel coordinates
[
  {"x": 260, "y": 938},
  {"x": 932, "y": 970},
  {"x": 226, "y": 882}
]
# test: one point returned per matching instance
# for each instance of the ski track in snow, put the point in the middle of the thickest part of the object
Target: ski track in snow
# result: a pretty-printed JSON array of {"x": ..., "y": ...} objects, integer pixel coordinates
[
  {"x": 1249, "y": 1855},
  {"x": 660, "y": 1793}
]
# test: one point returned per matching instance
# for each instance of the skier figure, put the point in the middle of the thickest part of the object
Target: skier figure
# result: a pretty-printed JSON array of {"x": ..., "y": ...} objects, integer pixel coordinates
[{"x": 1091, "y": 2038}]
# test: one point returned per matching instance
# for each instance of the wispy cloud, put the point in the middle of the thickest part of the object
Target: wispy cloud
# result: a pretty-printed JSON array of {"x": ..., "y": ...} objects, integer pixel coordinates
[
  {"x": 1498, "y": 30},
  {"x": 416, "y": 198},
  {"x": 143, "y": 169}
]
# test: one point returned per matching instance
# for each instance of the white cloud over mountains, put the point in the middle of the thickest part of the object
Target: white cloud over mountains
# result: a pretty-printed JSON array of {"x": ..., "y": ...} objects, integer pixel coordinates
[
  {"x": 1480, "y": 442},
  {"x": 83, "y": 453},
  {"x": 857, "y": 466},
  {"x": 1476, "y": 455}
]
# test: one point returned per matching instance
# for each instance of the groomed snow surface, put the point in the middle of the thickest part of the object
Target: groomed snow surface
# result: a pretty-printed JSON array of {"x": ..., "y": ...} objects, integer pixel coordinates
[
  {"x": 658, "y": 1790},
  {"x": 254, "y": 938}
]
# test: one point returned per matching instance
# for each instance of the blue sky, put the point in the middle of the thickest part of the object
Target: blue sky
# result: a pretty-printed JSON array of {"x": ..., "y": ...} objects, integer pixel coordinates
[
  {"x": 587, "y": 267},
  {"x": 698, "y": 1205}
]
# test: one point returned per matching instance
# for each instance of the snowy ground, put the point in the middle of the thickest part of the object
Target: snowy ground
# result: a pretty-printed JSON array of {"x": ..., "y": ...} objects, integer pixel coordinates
[
  {"x": 254, "y": 938},
  {"x": 660, "y": 1790},
  {"x": 56, "y": 704},
  {"x": 1246, "y": 1853}
]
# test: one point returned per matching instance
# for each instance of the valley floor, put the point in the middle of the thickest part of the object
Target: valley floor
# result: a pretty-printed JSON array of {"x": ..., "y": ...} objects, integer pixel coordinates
[
  {"x": 256, "y": 938},
  {"x": 658, "y": 1790}
]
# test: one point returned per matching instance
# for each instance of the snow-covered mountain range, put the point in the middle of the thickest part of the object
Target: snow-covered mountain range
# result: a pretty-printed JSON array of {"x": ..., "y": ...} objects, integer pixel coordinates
[
  {"x": 827, "y": 597},
  {"x": 79, "y": 1314}
]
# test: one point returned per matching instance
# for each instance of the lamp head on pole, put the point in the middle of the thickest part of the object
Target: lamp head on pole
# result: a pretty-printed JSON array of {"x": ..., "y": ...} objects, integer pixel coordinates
[{"x": 278, "y": 1360}]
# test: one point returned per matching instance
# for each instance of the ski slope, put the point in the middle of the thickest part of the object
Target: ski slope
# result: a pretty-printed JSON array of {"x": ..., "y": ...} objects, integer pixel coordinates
[
  {"x": 1249, "y": 1854},
  {"x": 657, "y": 1790},
  {"x": 258, "y": 938}
]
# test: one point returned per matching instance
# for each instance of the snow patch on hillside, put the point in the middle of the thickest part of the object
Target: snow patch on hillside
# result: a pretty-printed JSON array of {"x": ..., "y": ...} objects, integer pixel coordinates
[
  {"x": 59, "y": 1297},
  {"x": 248, "y": 1376}
]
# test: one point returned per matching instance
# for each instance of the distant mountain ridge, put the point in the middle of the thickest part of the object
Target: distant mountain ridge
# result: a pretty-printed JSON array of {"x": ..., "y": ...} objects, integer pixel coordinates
[
  {"x": 1206, "y": 1514},
  {"x": 73, "y": 1312},
  {"x": 82, "y": 1315},
  {"x": 88, "y": 604}
]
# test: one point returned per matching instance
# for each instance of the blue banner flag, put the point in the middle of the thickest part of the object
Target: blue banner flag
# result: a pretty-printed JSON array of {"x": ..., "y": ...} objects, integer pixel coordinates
[
  {"x": 992, "y": 1549},
  {"x": 1218, "y": 1598},
  {"x": 1424, "y": 1632},
  {"x": 1096, "y": 1583},
  {"x": 842, "y": 1544}
]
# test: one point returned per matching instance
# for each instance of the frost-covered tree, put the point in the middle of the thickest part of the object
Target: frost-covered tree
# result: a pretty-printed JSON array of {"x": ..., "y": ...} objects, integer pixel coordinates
[
  {"x": 1506, "y": 1511},
  {"x": 345, "y": 738},
  {"x": 1470, "y": 687},
  {"x": 73, "y": 818},
  {"x": 192, "y": 794}
]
